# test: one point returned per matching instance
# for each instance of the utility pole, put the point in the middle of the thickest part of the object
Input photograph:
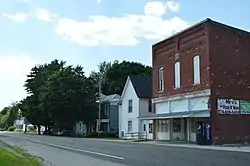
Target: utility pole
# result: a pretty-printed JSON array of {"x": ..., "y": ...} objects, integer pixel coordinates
[{"x": 99, "y": 112}]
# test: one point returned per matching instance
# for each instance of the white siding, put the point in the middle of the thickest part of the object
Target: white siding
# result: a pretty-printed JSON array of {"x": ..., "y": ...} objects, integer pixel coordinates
[
  {"x": 198, "y": 104},
  {"x": 194, "y": 103},
  {"x": 161, "y": 108},
  {"x": 144, "y": 107},
  {"x": 196, "y": 69},
  {"x": 177, "y": 76},
  {"x": 179, "y": 105},
  {"x": 124, "y": 115}
]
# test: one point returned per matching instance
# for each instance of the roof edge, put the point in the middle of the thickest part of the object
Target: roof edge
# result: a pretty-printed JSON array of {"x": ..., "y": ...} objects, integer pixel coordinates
[{"x": 185, "y": 30}]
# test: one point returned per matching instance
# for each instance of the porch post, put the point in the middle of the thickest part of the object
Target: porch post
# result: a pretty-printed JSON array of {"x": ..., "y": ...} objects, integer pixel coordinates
[
  {"x": 188, "y": 129},
  {"x": 154, "y": 129}
]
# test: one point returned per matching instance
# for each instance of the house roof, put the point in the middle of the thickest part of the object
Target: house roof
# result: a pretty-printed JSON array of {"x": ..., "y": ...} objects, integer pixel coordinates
[
  {"x": 110, "y": 98},
  {"x": 142, "y": 85}
]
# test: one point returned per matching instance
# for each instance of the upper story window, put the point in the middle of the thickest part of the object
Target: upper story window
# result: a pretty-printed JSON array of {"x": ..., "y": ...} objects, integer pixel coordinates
[
  {"x": 196, "y": 69},
  {"x": 177, "y": 75},
  {"x": 130, "y": 105},
  {"x": 161, "y": 80}
]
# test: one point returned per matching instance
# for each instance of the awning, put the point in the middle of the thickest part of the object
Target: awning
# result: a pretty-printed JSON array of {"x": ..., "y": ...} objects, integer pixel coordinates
[{"x": 186, "y": 114}]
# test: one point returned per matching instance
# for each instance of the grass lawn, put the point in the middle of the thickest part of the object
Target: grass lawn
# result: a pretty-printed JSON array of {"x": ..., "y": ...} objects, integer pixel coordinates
[{"x": 9, "y": 159}]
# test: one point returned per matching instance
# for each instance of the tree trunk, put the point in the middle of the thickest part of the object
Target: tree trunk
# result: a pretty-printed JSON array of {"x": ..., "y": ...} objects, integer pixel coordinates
[
  {"x": 39, "y": 129},
  {"x": 49, "y": 130},
  {"x": 46, "y": 129}
]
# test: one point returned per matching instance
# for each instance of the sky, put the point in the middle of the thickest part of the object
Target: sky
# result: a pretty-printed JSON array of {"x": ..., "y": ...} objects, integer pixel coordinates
[{"x": 87, "y": 32}]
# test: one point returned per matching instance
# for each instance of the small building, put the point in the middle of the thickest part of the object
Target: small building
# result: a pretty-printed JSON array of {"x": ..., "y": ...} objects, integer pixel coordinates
[
  {"x": 109, "y": 113},
  {"x": 134, "y": 103},
  {"x": 201, "y": 74},
  {"x": 21, "y": 124}
]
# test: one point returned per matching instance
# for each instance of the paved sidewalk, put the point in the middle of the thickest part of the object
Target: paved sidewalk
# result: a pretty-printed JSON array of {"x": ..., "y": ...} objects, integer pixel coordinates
[{"x": 209, "y": 147}]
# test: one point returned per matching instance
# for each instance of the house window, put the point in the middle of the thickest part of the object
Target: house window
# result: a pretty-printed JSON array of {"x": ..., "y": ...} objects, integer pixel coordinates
[
  {"x": 196, "y": 68},
  {"x": 150, "y": 128},
  {"x": 177, "y": 77},
  {"x": 129, "y": 126},
  {"x": 144, "y": 127},
  {"x": 130, "y": 105},
  {"x": 161, "y": 80}
]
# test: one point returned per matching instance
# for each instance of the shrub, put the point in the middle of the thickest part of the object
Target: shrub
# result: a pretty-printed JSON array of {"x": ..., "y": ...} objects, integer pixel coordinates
[
  {"x": 31, "y": 128},
  {"x": 18, "y": 130},
  {"x": 11, "y": 128},
  {"x": 92, "y": 135}
]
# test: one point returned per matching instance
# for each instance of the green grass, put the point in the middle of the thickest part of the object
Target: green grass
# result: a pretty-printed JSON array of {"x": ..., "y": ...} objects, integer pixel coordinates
[{"x": 9, "y": 159}]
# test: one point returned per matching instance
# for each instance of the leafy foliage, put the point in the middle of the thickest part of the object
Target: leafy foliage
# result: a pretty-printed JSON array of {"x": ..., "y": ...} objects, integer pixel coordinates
[
  {"x": 8, "y": 115},
  {"x": 60, "y": 95},
  {"x": 115, "y": 74}
]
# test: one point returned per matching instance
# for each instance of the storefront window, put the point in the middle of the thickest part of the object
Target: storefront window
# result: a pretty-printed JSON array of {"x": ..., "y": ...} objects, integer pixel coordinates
[{"x": 177, "y": 125}]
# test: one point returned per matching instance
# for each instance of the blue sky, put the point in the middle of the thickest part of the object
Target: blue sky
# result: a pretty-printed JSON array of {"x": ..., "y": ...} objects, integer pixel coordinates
[{"x": 87, "y": 32}]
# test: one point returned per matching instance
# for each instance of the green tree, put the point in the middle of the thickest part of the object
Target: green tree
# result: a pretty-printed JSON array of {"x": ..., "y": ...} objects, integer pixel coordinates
[
  {"x": 60, "y": 95},
  {"x": 117, "y": 73},
  {"x": 8, "y": 115},
  {"x": 33, "y": 107},
  {"x": 69, "y": 93}
]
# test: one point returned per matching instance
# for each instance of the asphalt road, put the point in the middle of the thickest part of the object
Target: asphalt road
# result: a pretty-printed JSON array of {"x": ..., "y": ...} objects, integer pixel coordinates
[{"x": 62, "y": 151}]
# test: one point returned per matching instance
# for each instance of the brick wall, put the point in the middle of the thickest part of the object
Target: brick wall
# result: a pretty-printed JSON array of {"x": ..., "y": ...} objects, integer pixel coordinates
[
  {"x": 187, "y": 44},
  {"x": 230, "y": 78}
]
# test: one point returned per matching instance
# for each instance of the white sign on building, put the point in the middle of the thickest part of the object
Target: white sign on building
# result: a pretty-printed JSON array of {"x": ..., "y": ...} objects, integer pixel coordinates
[{"x": 228, "y": 106}]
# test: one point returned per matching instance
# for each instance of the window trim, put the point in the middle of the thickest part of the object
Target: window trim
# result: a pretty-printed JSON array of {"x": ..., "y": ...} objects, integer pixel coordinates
[
  {"x": 161, "y": 85},
  {"x": 194, "y": 70},
  {"x": 177, "y": 86},
  {"x": 130, "y": 106},
  {"x": 131, "y": 126}
]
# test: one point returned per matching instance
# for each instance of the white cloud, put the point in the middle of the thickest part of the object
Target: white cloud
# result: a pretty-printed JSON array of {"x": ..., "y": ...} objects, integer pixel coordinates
[
  {"x": 13, "y": 71},
  {"x": 126, "y": 30},
  {"x": 19, "y": 17},
  {"x": 44, "y": 15},
  {"x": 158, "y": 8}
]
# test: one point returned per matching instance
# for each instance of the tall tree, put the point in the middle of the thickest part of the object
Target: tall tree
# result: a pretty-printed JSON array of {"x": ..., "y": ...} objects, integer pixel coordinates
[
  {"x": 34, "y": 85},
  {"x": 116, "y": 75},
  {"x": 100, "y": 75}
]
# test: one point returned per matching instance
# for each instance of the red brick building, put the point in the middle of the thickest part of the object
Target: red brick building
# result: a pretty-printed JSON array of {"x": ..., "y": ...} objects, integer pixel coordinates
[{"x": 193, "y": 71}]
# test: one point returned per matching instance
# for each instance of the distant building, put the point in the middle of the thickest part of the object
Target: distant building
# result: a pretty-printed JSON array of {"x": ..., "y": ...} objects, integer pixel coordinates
[
  {"x": 21, "y": 124},
  {"x": 109, "y": 113},
  {"x": 201, "y": 74}
]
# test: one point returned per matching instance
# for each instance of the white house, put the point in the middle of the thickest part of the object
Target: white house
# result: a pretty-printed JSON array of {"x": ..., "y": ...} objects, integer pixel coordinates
[{"x": 135, "y": 102}]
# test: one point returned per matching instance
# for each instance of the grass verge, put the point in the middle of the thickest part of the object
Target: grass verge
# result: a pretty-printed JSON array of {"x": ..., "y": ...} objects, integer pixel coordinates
[
  {"x": 17, "y": 156},
  {"x": 9, "y": 159}
]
